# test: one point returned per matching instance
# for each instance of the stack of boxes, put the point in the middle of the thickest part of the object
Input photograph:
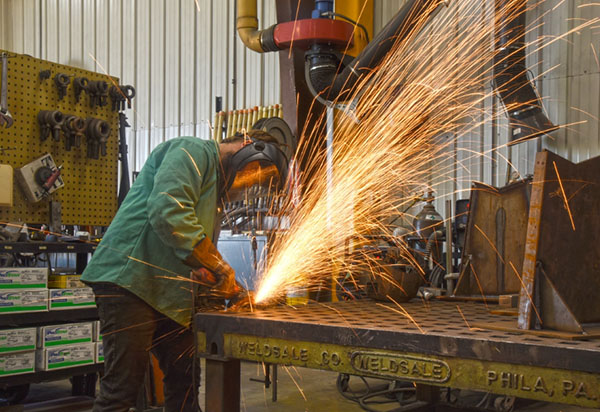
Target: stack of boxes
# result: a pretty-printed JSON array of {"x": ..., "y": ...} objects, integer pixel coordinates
[
  {"x": 23, "y": 290},
  {"x": 65, "y": 346},
  {"x": 68, "y": 292},
  {"x": 25, "y": 350},
  {"x": 17, "y": 351},
  {"x": 98, "y": 342}
]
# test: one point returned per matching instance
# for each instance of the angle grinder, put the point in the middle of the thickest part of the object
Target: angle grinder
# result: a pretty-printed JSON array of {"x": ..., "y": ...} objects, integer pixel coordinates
[{"x": 212, "y": 295}]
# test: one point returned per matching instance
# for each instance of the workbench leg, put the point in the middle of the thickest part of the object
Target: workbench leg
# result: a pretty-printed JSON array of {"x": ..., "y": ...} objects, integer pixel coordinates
[
  {"x": 274, "y": 381},
  {"x": 222, "y": 385}
]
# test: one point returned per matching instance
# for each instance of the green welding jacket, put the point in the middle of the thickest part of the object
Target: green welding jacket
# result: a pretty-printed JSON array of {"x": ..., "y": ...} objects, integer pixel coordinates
[{"x": 169, "y": 209}]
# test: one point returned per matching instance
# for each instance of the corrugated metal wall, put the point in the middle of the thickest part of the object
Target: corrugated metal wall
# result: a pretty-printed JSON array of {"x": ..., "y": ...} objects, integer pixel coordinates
[
  {"x": 567, "y": 74},
  {"x": 179, "y": 54}
]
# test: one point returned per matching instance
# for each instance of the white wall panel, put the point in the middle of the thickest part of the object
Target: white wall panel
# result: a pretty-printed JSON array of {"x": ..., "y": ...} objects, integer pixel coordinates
[
  {"x": 567, "y": 73},
  {"x": 177, "y": 56}
]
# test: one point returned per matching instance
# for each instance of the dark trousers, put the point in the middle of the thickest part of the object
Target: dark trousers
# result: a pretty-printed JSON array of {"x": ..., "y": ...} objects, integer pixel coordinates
[{"x": 131, "y": 328}]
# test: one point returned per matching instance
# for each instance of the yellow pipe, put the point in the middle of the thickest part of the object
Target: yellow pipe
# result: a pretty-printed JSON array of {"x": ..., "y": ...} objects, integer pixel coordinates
[
  {"x": 254, "y": 115},
  {"x": 242, "y": 120},
  {"x": 229, "y": 124},
  {"x": 234, "y": 122},
  {"x": 280, "y": 111},
  {"x": 215, "y": 123},
  {"x": 361, "y": 11},
  {"x": 247, "y": 25},
  {"x": 249, "y": 119},
  {"x": 219, "y": 127}
]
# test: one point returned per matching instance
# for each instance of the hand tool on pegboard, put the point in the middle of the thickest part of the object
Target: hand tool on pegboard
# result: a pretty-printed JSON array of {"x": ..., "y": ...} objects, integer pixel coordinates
[
  {"x": 98, "y": 132},
  {"x": 50, "y": 121},
  {"x": 73, "y": 128},
  {"x": 90, "y": 195},
  {"x": 80, "y": 84},
  {"x": 6, "y": 118},
  {"x": 62, "y": 82},
  {"x": 98, "y": 92},
  {"x": 121, "y": 94}
]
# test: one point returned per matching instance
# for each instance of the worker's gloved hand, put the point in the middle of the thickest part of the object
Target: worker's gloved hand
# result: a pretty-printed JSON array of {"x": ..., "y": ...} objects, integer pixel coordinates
[
  {"x": 206, "y": 256},
  {"x": 226, "y": 285}
]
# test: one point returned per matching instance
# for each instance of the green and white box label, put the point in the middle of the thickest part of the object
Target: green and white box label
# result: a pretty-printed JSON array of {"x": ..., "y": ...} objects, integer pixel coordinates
[
  {"x": 66, "y": 334},
  {"x": 30, "y": 300},
  {"x": 71, "y": 298},
  {"x": 17, "y": 340},
  {"x": 23, "y": 278},
  {"x": 66, "y": 356},
  {"x": 17, "y": 363}
]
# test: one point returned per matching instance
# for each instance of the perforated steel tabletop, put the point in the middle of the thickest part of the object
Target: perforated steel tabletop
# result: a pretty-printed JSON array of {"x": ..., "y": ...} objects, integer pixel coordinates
[{"x": 435, "y": 328}]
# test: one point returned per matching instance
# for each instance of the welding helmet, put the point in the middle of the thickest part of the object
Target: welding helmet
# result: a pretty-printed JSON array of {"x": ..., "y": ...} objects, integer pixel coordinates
[{"x": 257, "y": 169}]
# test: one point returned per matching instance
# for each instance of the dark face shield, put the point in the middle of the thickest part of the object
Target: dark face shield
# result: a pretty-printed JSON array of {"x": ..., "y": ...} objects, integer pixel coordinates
[
  {"x": 256, "y": 170},
  {"x": 256, "y": 179}
]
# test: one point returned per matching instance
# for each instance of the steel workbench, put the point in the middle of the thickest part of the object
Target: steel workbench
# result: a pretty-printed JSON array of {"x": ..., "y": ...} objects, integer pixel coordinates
[{"x": 431, "y": 343}]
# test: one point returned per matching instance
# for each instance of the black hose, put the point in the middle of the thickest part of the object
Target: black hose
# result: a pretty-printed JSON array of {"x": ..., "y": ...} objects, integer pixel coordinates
[
  {"x": 433, "y": 238},
  {"x": 366, "y": 397}
]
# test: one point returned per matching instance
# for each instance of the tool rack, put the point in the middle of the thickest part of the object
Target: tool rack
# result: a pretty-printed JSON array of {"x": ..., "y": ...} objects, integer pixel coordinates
[{"x": 430, "y": 343}]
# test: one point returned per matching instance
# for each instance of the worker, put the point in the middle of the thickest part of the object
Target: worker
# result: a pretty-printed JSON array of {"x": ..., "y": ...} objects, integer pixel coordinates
[{"x": 161, "y": 238}]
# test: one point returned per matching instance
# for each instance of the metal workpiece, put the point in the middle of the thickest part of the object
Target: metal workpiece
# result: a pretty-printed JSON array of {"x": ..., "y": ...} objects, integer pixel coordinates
[{"x": 426, "y": 342}]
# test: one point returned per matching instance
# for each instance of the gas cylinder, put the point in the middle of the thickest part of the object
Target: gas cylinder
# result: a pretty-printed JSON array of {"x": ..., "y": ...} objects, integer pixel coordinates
[{"x": 427, "y": 220}]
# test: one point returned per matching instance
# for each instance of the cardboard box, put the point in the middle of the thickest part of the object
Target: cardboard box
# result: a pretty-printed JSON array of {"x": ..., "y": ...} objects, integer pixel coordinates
[
  {"x": 71, "y": 298},
  {"x": 17, "y": 363},
  {"x": 6, "y": 186},
  {"x": 99, "y": 352},
  {"x": 62, "y": 357},
  {"x": 66, "y": 334},
  {"x": 65, "y": 282},
  {"x": 97, "y": 334},
  {"x": 23, "y": 300},
  {"x": 23, "y": 278},
  {"x": 17, "y": 340}
]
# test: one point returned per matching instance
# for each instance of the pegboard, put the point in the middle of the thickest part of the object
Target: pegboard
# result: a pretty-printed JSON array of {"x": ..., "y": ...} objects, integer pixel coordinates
[{"x": 90, "y": 193}]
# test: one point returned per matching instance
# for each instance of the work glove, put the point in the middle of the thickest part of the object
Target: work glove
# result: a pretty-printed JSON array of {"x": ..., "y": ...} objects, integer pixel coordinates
[{"x": 206, "y": 256}]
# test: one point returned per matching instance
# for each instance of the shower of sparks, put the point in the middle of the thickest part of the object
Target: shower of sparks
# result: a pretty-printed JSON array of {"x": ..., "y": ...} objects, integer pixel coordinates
[
  {"x": 431, "y": 84},
  {"x": 295, "y": 383},
  {"x": 562, "y": 190}
]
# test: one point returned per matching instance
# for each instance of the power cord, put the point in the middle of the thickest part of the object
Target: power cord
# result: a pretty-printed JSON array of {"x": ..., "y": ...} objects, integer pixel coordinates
[{"x": 403, "y": 393}]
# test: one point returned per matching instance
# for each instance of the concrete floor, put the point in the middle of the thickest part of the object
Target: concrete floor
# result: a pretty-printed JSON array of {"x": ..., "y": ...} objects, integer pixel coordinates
[{"x": 299, "y": 390}]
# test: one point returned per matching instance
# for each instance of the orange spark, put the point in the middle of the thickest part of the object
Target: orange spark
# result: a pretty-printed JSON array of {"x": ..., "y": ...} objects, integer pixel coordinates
[
  {"x": 403, "y": 313},
  {"x": 463, "y": 316},
  {"x": 295, "y": 383},
  {"x": 562, "y": 190},
  {"x": 173, "y": 197}
]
